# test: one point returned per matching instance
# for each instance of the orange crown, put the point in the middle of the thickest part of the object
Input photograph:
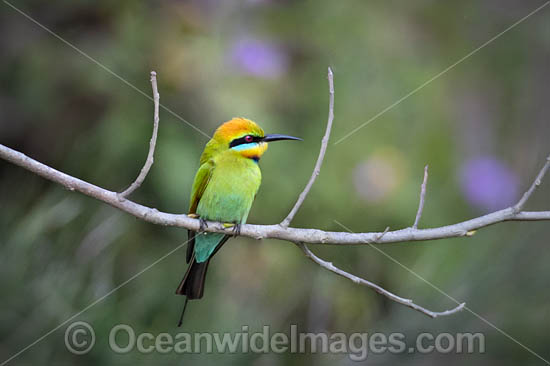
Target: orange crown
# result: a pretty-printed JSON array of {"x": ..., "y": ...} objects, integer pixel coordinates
[{"x": 237, "y": 127}]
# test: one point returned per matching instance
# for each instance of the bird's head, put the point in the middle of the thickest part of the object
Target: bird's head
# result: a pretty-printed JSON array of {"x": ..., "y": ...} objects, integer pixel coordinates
[{"x": 245, "y": 137}]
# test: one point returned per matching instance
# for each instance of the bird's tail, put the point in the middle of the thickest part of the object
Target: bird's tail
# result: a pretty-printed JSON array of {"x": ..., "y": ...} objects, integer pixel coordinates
[{"x": 192, "y": 284}]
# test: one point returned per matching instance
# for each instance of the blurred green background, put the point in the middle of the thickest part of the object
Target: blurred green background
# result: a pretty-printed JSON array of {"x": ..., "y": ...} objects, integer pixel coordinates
[{"x": 482, "y": 128}]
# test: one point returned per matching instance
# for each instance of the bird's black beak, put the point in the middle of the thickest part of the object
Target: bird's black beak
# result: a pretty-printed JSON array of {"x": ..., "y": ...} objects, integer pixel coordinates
[{"x": 277, "y": 137}]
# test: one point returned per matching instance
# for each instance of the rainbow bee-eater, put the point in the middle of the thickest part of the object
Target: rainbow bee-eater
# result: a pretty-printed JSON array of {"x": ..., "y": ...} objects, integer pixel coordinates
[{"x": 223, "y": 190}]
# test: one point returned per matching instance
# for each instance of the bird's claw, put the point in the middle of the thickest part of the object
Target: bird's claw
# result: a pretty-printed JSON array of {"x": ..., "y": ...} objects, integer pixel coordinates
[
  {"x": 202, "y": 224},
  {"x": 236, "y": 229}
]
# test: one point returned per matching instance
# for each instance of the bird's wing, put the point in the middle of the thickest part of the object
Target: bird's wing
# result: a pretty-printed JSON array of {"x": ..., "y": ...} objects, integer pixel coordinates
[{"x": 199, "y": 185}]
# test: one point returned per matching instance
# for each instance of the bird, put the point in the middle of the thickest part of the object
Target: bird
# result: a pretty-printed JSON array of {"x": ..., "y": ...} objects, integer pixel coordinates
[{"x": 223, "y": 190}]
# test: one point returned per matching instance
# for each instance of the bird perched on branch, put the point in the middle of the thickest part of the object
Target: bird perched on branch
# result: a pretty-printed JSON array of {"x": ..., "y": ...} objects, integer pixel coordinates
[{"x": 224, "y": 188}]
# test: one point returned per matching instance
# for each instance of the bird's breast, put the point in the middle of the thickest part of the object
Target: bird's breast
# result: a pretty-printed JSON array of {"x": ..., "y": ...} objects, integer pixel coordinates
[{"x": 231, "y": 190}]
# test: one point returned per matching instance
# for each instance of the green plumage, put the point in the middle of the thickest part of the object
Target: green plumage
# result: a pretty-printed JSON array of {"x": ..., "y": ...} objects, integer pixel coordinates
[
  {"x": 233, "y": 181},
  {"x": 205, "y": 244},
  {"x": 223, "y": 190}
]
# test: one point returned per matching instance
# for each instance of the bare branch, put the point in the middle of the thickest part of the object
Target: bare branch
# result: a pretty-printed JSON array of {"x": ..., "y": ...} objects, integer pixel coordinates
[
  {"x": 407, "y": 302},
  {"x": 324, "y": 144},
  {"x": 414, "y": 306},
  {"x": 283, "y": 231},
  {"x": 519, "y": 206},
  {"x": 152, "y": 143},
  {"x": 310, "y": 236},
  {"x": 422, "y": 198}
]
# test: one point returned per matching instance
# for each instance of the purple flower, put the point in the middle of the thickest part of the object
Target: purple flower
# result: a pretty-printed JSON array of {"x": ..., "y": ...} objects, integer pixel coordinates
[
  {"x": 488, "y": 183},
  {"x": 259, "y": 58}
]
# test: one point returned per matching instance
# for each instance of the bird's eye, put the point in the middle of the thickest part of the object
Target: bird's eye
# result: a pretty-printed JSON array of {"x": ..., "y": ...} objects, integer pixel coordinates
[{"x": 248, "y": 138}]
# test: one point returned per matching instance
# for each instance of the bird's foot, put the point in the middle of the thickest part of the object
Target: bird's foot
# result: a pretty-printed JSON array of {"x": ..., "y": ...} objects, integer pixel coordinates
[
  {"x": 193, "y": 215},
  {"x": 236, "y": 227},
  {"x": 202, "y": 224}
]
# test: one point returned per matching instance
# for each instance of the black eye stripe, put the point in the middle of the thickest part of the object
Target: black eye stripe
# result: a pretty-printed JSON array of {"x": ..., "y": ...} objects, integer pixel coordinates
[{"x": 242, "y": 140}]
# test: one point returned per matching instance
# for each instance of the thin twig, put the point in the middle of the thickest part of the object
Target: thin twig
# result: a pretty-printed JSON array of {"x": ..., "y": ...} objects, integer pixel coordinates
[
  {"x": 422, "y": 198},
  {"x": 378, "y": 237},
  {"x": 324, "y": 143},
  {"x": 152, "y": 143},
  {"x": 416, "y": 307},
  {"x": 310, "y": 236},
  {"x": 519, "y": 206},
  {"x": 407, "y": 302}
]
